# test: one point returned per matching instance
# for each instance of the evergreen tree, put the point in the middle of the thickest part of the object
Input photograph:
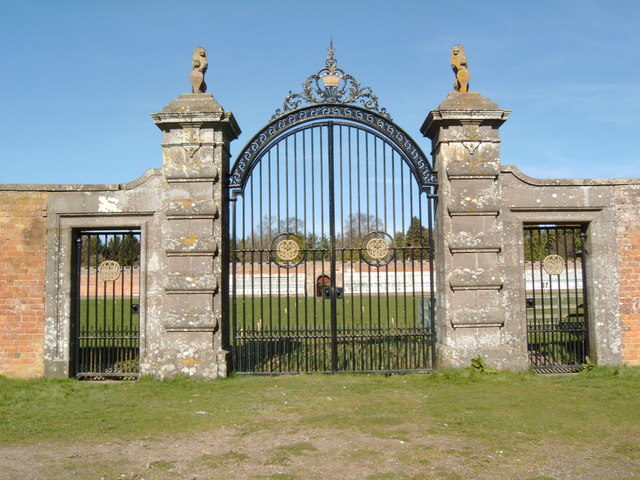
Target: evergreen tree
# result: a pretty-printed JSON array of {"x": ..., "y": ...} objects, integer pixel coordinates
[
  {"x": 417, "y": 240},
  {"x": 399, "y": 244},
  {"x": 540, "y": 243}
]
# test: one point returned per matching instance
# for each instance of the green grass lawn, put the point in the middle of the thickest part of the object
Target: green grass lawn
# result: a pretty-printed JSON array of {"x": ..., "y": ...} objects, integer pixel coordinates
[
  {"x": 551, "y": 303},
  {"x": 286, "y": 427},
  {"x": 354, "y": 311},
  {"x": 577, "y": 408},
  {"x": 108, "y": 314},
  {"x": 281, "y": 313}
]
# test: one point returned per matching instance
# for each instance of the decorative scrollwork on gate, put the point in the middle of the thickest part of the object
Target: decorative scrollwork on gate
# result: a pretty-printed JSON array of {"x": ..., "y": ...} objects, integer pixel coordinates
[
  {"x": 331, "y": 85},
  {"x": 250, "y": 154},
  {"x": 377, "y": 249},
  {"x": 286, "y": 250}
]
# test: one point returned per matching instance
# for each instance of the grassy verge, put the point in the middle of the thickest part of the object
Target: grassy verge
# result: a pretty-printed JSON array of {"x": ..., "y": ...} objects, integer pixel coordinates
[{"x": 578, "y": 409}]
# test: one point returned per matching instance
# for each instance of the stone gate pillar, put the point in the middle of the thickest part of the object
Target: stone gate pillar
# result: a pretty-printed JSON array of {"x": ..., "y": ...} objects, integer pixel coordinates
[
  {"x": 472, "y": 314},
  {"x": 196, "y": 136}
]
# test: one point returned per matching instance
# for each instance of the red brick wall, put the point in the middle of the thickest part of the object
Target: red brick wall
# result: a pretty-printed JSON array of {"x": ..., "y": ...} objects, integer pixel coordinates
[
  {"x": 22, "y": 260},
  {"x": 128, "y": 283},
  {"x": 628, "y": 250}
]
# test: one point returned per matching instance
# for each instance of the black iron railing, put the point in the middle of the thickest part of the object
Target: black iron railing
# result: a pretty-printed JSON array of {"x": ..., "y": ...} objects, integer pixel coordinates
[
  {"x": 106, "y": 307},
  {"x": 556, "y": 297}
]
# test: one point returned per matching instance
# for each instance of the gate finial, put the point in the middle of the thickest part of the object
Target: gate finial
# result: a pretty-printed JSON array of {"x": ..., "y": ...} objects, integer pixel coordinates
[
  {"x": 331, "y": 57},
  {"x": 330, "y": 79},
  {"x": 331, "y": 84}
]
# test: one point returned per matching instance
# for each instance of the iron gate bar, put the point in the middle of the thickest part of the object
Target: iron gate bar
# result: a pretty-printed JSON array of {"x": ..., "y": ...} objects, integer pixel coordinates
[{"x": 332, "y": 239}]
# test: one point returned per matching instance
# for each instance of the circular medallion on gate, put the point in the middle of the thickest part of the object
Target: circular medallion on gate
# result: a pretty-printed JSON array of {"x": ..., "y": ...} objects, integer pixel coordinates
[
  {"x": 553, "y": 264},
  {"x": 287, "y": 250},
  {"x": 109, "y": 271},
  {"x": 377, "y": 249}
]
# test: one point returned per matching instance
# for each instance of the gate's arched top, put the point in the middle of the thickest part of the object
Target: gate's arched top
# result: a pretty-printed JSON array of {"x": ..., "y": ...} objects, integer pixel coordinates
[
  {"x": 250, "y": 155},
  {"x": 332, "y": 93}
]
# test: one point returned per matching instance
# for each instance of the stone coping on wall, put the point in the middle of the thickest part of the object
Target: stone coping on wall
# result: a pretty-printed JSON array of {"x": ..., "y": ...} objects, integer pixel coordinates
[
  {"x": 516, "y": 172},
  {"x": 82, "y": 187},
  {"x": 110, "y": 187}
]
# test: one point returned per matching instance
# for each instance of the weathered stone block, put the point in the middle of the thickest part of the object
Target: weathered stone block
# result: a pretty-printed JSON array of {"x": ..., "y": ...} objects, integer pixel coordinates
[
  {"x": 192, "y": 208},
  {"x": 476, "y": 167},
  {"x": 484, "y": 203},
  {"x": 204, "y": 321},
  {"x": 478, "y": 116},
  {"x": 193, "y": 103},
  {"x": 191, "y": 244},
  {"x": 194, "y": 265},
  {"x": 475, "y": 279},
  {"x": 474, "y": 317},
  {"x": 185, "y": 283},
  {"x": 462, "y": 242},
  {"x": 473, "y": 224},
  {"x": 193, "y": 171}
]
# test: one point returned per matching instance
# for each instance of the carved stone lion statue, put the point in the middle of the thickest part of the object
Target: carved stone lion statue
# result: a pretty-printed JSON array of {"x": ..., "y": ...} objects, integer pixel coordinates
[
  {"x": 200, "y": 65},
  {"x": 459, "y": 66}
]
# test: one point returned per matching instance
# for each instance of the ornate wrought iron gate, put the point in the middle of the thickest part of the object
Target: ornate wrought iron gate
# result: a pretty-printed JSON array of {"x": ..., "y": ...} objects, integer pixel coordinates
[
  {"x": 106, "y": 307},
  {"x": 331, "y": 246},
  {"x": 556, "y": 295}
]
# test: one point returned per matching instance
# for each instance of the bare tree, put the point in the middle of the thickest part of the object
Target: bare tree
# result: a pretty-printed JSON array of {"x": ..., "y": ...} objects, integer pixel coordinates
[
  {"x": 358, "y": 225},
  {"x": 268, "y": 228}
]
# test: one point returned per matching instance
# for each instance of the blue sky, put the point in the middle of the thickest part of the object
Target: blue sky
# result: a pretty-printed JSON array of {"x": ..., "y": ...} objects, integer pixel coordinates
[{"x": 79, "y": 79}]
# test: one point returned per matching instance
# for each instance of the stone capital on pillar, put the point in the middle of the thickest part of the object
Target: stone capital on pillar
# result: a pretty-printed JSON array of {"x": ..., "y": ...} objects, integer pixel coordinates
[
  {"x": 187, "y": 332},
  {"x": 196, "y": 109},
  {"x": 464, "y": 107},
  {"x": 467, "y": 119},
  {"x": 193, "y": 125},
  {"x": 471, "y": 317}
]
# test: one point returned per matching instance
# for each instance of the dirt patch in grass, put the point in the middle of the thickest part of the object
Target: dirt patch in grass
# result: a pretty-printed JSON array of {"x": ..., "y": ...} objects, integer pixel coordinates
[{"x": 315, "y": 453}]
